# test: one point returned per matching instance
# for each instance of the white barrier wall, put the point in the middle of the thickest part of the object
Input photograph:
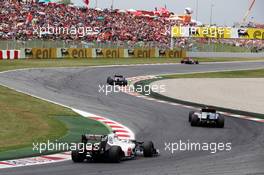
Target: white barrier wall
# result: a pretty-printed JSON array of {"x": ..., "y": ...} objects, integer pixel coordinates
[{"x": 225, "y": 55}]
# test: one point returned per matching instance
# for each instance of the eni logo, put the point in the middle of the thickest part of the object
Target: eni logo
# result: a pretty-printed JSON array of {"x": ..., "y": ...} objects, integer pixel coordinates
[
  {"x": 80, "y": 53},
  {"x": 258, "y": 34},
  {"x": 44, "y": 53},
  {"x": 176, "y": 54},
  {"x": 143, "y": 53}
]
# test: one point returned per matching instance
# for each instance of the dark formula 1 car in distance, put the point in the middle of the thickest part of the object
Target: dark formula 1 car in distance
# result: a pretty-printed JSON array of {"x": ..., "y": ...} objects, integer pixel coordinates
[
  {"x": 206, "y": 116},
  {"x": 109, "y": 148},
  {"x": 189, "y": 61},
  {"x": 117, "y": 80}
]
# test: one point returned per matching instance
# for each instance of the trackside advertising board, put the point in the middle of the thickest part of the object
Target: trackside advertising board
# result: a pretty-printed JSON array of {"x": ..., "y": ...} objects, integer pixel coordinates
[
  {"x": 75, "y": 53},
  {"x": 218, "y": 32},
  {"x": 40, "y": 53},
  {"x": 47, "y": 53}
]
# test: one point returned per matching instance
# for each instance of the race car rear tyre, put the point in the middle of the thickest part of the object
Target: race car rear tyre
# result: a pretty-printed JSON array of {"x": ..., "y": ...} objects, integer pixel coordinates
[
  {"x": 220, "y": 121},
  {"x": 194, "y": 120},
  {"x": 114, "y": 154},
  {"x": 148, "y": 149},
  {"x": 110, "y": 81},
  {"x": 77, "y": 156},
  {"x": 190, "y": 115}
]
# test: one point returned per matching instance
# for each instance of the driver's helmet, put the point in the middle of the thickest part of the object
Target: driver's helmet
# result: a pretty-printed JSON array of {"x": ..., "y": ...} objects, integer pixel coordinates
[{"x": 113, "y": 135}]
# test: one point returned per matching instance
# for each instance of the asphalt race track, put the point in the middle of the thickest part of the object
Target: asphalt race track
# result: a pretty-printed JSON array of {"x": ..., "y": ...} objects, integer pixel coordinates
[{"x": 78, "y": 87}]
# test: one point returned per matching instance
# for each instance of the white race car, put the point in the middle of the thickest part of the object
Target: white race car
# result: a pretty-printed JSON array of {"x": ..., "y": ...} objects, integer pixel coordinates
[
  {"x": 109, "y": 148},
  {"x": 206, "y": 116}
]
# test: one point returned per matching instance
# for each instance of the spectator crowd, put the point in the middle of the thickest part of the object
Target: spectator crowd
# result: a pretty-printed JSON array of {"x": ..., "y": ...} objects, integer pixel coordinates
[{"x": 19, "y": 20}]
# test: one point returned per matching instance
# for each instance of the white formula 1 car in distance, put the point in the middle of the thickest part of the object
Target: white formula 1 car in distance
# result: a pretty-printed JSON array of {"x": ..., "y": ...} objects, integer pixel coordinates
[
  {"x": 206, "y": 116},
  {"x": 109, "y": 148}
]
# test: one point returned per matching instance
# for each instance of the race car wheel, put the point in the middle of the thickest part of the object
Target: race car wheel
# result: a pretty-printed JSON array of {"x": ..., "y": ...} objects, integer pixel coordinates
[
  {"x": 148, "y": 149},
  {"x": 110, "y": 81},
  {"x": 196, "y": 62},
  {"x": 77, "y": 156},
  {"x": 220, "y": 121},
  {"x": 190, "y": 115},
  {"x": 114, "y": 154},
  {"x": 194, "y": 120}
]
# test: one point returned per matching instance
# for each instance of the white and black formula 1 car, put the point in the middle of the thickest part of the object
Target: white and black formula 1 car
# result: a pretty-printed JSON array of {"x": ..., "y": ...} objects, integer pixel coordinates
[
  {"x": 117, "y": 80},
  {"x": 109, "y": 148},
  {"x": 206, "y": 116},
  {"x": 189, "y": 61}
]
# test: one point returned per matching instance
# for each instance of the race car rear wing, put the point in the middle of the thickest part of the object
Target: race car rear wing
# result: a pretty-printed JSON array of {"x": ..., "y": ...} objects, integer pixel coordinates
[
  {"x": 208, "y": 110},
  {"x": 92, "y": 137}
]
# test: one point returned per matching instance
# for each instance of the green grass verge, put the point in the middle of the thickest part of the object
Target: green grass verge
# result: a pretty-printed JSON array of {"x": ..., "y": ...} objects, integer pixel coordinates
[
  {"x": 25, "y": 120},
  {"x": 258, "y": 73},
  {"x": 38, "y": 63},
  {"x": 76, "y": 126}
]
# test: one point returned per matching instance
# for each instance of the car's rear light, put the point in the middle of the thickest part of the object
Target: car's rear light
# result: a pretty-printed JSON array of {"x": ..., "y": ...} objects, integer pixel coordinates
[{"x": 129, "y": 151}]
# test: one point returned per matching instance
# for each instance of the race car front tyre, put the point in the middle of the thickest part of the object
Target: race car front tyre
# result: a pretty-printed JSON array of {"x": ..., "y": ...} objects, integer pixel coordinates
[
  {"x": 220, "y": 121},
  {"x": 194, "y": 120},
  {"x": 190, "y": 115},
  {"x": 148, "y": 149},
  {"x": 77, "y": 156},
  {"x": 114, "y": 154}
]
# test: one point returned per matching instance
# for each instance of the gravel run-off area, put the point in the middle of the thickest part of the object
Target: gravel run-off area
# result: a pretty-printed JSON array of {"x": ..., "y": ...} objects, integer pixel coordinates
[{"x": 246, "y": 94}]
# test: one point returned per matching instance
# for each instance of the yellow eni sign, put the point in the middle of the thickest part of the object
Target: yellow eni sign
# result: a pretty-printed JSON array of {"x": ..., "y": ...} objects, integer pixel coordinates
[
  {"x": 168, "y": 53},
  {"x": 77, "y": 53},
  {"x": 109, "y": 53},
  {"x": 217, "y": 32},
  {"x": 43, "y": 53},
  {"x": 251, "y": 33}
]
